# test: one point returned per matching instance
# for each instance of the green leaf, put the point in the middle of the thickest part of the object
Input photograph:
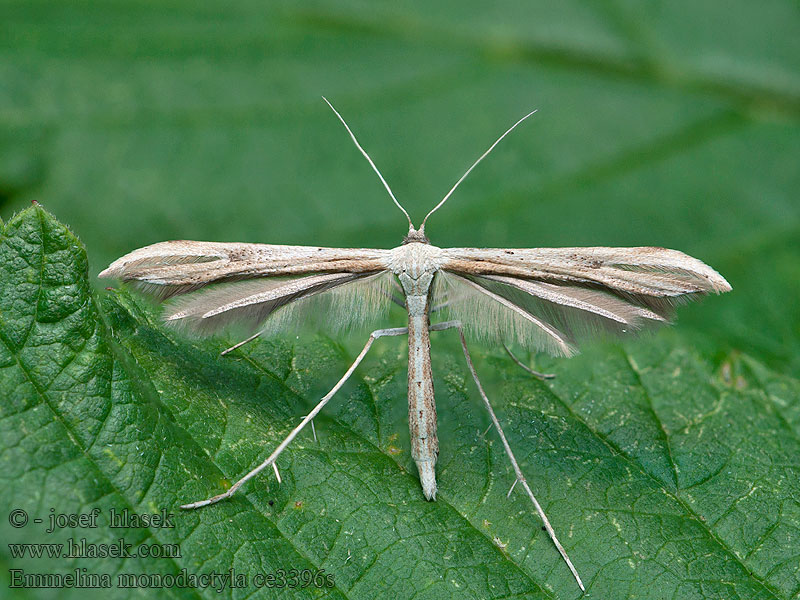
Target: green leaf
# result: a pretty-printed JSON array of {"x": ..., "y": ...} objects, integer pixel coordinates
[
  {"x": 660, "y": 123},
  {"x": 667, "y": 475}
]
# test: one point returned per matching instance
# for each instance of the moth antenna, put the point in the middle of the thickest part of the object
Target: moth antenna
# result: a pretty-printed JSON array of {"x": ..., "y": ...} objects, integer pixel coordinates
[
  {"x": 475, "y": 164},
  {"x": 372, "y": 164}
]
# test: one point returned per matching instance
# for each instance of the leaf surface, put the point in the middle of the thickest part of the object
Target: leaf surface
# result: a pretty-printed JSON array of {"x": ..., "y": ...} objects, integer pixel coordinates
[{"x": 666, "y": 474}]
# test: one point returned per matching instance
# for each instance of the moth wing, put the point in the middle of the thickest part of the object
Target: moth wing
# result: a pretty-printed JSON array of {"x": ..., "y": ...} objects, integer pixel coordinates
[
  {"x": 550, "y": 299},
  {"x": 489, "y": 316},
  {"x": 655, "y": 278},
  {"x": 332, "y": 301},
  {"x": 178, "y": 267}
]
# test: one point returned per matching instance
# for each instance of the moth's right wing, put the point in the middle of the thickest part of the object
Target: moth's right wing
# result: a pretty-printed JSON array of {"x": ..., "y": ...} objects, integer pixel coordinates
[
  {"x": 220, "y": 284},
  {"x": 550, "y": 298},
  {"x": 640, "y": 272}
]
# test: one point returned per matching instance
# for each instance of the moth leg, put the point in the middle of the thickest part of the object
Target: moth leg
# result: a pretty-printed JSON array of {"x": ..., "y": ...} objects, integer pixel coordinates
[
  {"x": 520, "y": 477},
  {"x": 240, "y": 344},
  {"x": 527, "y": 368},
  {"x": 271, "y": 460}
]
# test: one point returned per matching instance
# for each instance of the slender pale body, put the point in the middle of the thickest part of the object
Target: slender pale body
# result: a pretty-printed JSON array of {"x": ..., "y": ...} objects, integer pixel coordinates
[{"x": 415, "y": 264}]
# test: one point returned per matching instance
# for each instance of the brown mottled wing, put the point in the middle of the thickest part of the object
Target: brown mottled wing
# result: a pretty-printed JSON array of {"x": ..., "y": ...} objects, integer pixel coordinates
[
  {"x": 220, "y": 284},
  {"x": 169, "y": 268},
  {"x": 572, "y": 293}
]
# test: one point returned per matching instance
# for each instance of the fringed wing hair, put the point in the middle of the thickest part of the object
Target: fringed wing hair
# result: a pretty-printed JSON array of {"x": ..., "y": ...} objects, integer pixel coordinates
[
  {"x": 212, "y": 285},
  {"x": 550, "y": 299}
]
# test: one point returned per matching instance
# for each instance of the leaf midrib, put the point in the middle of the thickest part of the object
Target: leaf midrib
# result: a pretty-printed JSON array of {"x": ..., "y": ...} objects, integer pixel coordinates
[
  {"x": 84, "y": 451},
  {"x": 200, "y": 448}
]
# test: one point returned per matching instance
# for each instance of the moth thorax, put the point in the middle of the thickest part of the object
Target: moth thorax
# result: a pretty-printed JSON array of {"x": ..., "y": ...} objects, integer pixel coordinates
[{"x": 416, "y": 283}]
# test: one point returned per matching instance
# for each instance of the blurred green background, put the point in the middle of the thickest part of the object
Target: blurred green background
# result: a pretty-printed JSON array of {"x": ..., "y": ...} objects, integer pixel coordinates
[{"x": 660, "y": 123}]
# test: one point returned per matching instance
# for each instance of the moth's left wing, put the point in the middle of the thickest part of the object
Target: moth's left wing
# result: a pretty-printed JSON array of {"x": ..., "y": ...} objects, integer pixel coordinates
[
  {"x": 177, "y": 267},
  {"x": 259, "y": 286},
  {"x": 331, "y": 301},
  {"x": 572, "y": 293}
]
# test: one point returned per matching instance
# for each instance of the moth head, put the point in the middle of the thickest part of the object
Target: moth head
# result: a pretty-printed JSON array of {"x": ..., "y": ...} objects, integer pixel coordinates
[{"x": 416, "y": 235}]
